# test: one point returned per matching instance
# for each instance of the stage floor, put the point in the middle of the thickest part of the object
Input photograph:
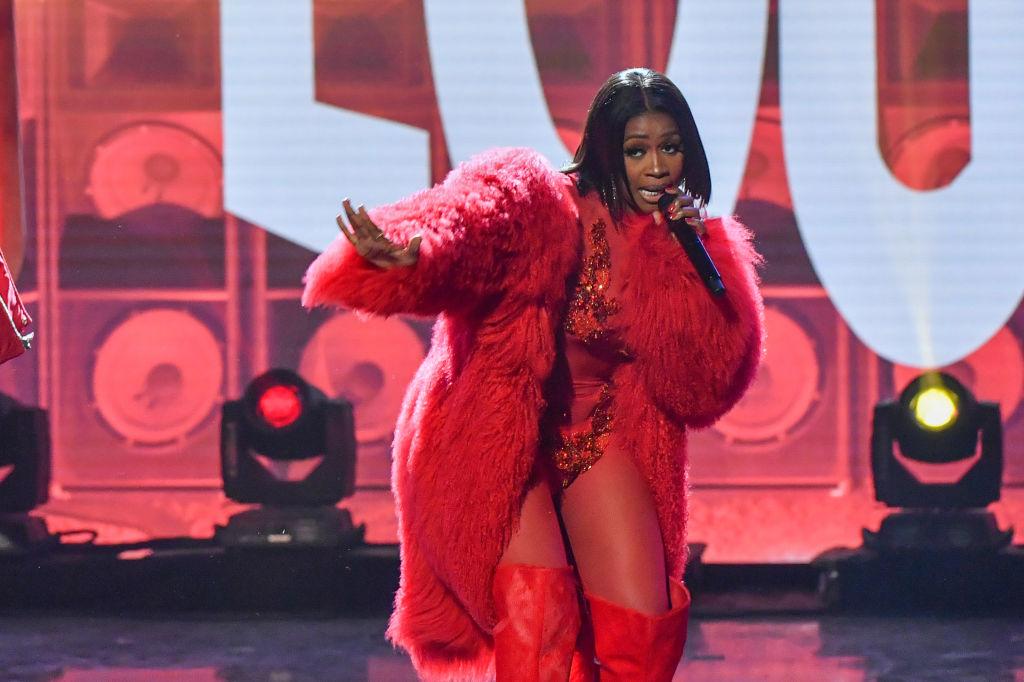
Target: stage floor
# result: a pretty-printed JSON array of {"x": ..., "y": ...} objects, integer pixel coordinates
[{"x": 258, "y": 648}]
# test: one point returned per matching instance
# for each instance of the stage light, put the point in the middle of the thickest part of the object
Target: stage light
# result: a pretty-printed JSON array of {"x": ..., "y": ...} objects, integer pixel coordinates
[
  {"x": 280, "y": 426},
  {"x": 937, "y": 457},
  {"x": 939, "y": 427},
  {"x": 279, "y": 406},
  {"x": 24, "y": 475},
  {"x": 935, "y": 408}
]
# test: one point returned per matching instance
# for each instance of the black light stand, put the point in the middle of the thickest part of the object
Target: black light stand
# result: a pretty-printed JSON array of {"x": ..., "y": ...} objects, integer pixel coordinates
[
  {"x": 281, "y": 421},
  {"x": 24, "y": 476},
  {"x": 942, "y": 548}
]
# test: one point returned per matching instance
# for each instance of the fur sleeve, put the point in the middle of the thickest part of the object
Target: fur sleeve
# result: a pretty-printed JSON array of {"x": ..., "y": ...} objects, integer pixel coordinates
[
  {"x": 475, "y": 227},
  {"x": 699, "y": 369}
]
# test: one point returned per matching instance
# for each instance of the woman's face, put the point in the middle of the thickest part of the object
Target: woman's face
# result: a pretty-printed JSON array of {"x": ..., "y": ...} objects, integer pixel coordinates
[{"x": 653, "y": 157}]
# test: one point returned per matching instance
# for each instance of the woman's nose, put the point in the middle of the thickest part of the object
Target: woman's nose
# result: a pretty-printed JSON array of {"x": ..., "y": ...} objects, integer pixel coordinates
[{"x": 658, "y": 167}]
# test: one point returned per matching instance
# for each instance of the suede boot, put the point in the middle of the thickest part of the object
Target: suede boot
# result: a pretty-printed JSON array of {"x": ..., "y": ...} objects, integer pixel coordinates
[
  {"x": 538, "y": 623},
  {"x": 636, "y": 647}
]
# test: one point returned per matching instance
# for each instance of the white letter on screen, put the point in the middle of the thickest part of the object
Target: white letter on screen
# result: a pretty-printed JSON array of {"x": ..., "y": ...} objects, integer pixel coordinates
[
  {"x": 717, "y": 60},
  {"x": 289, "y": 160},
  {"x": 923, "y": 278},
  {"x": 489, "y": 90}
]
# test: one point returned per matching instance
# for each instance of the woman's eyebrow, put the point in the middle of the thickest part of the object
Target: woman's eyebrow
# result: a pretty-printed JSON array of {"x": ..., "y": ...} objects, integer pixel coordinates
[{"x": 644, "y": 136}]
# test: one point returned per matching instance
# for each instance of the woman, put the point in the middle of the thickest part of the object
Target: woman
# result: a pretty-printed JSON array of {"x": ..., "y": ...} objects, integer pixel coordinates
[{"x": 541, "y": 446}]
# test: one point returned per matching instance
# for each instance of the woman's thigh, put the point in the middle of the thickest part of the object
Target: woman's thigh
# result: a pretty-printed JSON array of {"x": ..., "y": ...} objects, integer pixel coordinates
[
  {"x": 613, "y": 529},
  {"x": 538, "y": 539}
]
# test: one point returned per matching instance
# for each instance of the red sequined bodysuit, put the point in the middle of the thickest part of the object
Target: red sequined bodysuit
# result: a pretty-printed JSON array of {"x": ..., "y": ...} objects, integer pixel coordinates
[{"x": 593, "y": 346}]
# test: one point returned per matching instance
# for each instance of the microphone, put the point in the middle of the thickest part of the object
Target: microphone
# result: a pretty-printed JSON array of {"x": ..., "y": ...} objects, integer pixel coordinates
[{"x": 694, "y": 248}]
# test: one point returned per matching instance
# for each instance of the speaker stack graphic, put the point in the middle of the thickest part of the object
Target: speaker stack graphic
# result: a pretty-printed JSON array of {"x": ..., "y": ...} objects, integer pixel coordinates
[
  {"x": 144, "y": 328},
  {"x": 794, "y": 428}
]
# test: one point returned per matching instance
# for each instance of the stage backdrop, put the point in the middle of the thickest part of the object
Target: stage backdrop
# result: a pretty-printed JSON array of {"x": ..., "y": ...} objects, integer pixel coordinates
[{"x": 182, "y": 160}]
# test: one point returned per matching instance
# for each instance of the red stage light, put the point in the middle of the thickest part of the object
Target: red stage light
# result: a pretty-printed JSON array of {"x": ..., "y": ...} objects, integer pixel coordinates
[
  {"x": 279, "y": 405},
  {"x": 286, "y": 445}
]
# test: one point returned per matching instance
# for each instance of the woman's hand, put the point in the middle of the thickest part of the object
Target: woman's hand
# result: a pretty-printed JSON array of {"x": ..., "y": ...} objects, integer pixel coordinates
[
  {"x": 686, "y": 207},
  {"x": 370, "y": 242}
]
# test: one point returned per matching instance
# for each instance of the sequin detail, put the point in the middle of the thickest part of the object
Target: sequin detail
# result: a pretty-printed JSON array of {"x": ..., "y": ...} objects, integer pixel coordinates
[
  {"x": 587, "y": 319},
  {"x": 590, "y": 306},
  {"x": 580, "y": 451}
]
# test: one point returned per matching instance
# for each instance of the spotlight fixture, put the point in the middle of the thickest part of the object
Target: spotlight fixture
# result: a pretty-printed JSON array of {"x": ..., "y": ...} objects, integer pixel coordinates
[
  {"x": 937, "y": 424},
  {"x": 286, "y": 446},
  {"x": 24, "y": 475}
]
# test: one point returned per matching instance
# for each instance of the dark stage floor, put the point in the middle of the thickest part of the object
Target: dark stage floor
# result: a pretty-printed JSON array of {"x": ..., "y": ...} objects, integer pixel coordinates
[
  {"x": 189, "y": 610},
  {"x": 791, "y": 649}
]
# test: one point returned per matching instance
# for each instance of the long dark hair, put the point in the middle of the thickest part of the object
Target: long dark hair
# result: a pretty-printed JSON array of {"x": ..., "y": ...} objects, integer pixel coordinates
[{"x": 599, "y": 163}]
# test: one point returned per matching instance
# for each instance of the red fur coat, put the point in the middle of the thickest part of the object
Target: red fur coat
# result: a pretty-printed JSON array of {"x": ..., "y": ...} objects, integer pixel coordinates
[{"x": 501, "y": 235}]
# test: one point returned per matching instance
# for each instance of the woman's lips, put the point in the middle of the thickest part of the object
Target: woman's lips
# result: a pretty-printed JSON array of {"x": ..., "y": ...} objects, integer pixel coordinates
[{"x": 649, "y": 195}]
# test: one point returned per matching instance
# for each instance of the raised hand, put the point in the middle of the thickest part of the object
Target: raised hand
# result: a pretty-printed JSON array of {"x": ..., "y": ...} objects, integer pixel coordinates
[{"x": 371, "y": 243}]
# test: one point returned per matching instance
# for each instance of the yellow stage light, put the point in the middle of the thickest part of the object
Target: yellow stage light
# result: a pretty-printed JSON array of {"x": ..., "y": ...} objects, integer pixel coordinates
[
  {"x": 935, "y": 408},
  {"x": 935, "y": 421}
]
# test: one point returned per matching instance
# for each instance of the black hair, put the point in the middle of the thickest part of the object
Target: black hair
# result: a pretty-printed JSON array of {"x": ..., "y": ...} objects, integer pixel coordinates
[{"x": 598, "y": 162}]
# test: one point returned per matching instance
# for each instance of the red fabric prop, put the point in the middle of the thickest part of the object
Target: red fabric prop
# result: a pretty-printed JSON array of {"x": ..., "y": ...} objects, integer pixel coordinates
[
  {"x": 501, "y": 236},
  {"x": 15, "y": 338}
]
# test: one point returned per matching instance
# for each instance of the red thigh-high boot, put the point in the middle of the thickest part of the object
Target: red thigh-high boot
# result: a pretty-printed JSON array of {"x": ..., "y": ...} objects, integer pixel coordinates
[
  {"x": 635, "y": 647},
  {"x": 584, "y": 668},
  {"x": 538, "y": 621}
]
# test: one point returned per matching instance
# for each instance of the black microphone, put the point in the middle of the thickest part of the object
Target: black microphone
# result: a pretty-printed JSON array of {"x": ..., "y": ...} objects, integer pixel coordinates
[{"x": 694, "y": 248}]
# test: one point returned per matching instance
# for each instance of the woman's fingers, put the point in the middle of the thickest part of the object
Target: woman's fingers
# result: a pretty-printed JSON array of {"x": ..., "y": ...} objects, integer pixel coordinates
[
  {"x": 687, "y": 207},
  {"x": 365, "y": 217},
  {"x": 698, "y": 225},
  {"x": 369, "y": 229},
  {"x": 353, "y": 220},
  {"x": 685, "y": 212},
  {"x": 363, "y": 229},
  {"x": 374, "y": 233},
  {"x": 681, "y": 198},
  {"x": 345, "y": 229},
  {"x": 412, "y": 251},
  {"x": 362, "y": 226},
  {"x": 694, "y": 215},
  {"x": 371, "y": 242},
  {"x": 681, "y": 207}
]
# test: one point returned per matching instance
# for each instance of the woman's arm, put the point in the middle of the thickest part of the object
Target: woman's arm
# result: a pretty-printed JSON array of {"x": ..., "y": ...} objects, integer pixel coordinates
[
  {"x": 706, "y": 354},
  {"x": 473, "y": 226}
]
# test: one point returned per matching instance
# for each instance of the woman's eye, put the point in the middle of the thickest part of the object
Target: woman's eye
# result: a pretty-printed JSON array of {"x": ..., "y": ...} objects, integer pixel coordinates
[
  {"x": 635, "y": 152},
  {"x": 670, "y": 148}
]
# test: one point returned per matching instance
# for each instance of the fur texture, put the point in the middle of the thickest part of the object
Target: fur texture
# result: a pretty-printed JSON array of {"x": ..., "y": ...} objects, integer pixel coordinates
[{"x": 501, "y": 236}]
